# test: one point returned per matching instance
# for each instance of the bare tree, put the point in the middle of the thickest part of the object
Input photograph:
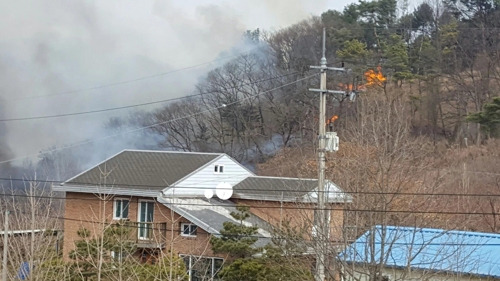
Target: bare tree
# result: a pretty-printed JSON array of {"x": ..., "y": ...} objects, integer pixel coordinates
[{"x": 35, "y": 240}]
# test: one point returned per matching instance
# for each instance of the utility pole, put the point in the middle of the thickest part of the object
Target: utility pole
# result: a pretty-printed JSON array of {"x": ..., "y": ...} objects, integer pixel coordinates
[
  {"x": 321, "y": 215},
  {"x": 5, "y": 245}
]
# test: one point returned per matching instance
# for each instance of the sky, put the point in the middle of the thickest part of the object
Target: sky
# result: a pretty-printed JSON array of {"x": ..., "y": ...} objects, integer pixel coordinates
[{"x": 59, "y": 57}]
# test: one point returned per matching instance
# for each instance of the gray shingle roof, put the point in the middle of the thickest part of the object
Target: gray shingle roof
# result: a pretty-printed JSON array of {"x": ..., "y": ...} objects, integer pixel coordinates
[
  {"x": 149, "y": 170},
  {"x": 211, "y": 214},
  {"x": 275, "y": 188}
]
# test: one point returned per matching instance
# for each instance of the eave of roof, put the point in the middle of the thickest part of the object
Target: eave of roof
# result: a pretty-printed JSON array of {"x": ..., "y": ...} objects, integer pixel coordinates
[
  {"x": 106, "y": 190},
  {"x": 27, "y": 231},
  {"x": 463, "y": 252}
]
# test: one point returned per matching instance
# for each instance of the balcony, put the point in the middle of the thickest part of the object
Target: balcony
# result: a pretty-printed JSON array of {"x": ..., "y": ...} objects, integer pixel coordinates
[{"x": 144, "y": 234}]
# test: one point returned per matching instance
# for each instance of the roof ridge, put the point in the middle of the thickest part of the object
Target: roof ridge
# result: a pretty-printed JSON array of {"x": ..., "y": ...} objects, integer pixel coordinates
[
  {"x": 283, "y": 178},
  {"x": 171, "y": 151}
]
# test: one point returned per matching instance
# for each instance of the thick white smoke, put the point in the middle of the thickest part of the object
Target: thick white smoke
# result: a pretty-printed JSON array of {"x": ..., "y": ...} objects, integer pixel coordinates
[{"x": 53, "y": 54}]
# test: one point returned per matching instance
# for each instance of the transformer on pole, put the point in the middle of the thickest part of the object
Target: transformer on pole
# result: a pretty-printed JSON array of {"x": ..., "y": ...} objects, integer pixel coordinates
[{"x": 327, "y": 142}]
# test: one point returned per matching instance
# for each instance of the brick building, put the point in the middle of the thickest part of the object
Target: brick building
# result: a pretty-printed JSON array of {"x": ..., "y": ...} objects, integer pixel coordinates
[{"x": 165, "y": 197}]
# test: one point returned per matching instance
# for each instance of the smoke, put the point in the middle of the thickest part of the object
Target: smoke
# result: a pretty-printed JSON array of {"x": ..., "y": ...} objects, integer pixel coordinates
[
  {"x": 5, "y": 151},
  {"x": 55, "y": 57},
  {"x": 51, "y": 50}
]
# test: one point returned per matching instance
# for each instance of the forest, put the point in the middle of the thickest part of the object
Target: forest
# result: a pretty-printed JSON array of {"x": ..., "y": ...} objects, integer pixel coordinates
[
  {"x": 437, "y": 66},
  {"x": 419, "y": 123}
]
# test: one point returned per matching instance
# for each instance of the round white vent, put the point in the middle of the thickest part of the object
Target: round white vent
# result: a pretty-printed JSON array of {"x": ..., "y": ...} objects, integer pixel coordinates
[
  {"x": 224, "y": 190},
  {"x": 209, "y": 193}
]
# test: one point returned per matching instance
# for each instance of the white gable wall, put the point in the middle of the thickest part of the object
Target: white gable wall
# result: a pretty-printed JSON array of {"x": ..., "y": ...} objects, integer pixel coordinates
[
  {"x": 205, "y": 178},
  {"x": 334, "y": 194}
]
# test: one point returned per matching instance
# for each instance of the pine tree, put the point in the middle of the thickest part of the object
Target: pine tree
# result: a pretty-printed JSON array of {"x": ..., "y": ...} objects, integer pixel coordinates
[
  {"x": 116, "y": 239},
  {"x": 489, "y": 118},
  {"x": 238, "y": 241}
]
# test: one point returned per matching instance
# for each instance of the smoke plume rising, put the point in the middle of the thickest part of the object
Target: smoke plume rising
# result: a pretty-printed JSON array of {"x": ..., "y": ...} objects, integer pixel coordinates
[{"x": 56, "y": 57}]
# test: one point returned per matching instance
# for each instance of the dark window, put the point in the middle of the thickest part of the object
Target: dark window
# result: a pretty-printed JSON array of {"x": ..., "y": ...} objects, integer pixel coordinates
[
  {"x": 218, "y": 169},
  {"x": 202, "y": 268},
  {"x": 121, "y": 209},
  {"x": 188, "y": 229}
]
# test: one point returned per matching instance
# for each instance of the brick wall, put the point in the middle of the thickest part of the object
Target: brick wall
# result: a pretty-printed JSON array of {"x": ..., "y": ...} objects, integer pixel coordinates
[
  {"x": 92, "y": 212},
  {"x": 297, "y": 215}
]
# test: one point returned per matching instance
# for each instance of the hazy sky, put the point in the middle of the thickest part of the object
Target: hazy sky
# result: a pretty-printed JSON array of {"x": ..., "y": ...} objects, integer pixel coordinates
[
  {"x": 270, "y": 14},
  {"x": 52, "y": 53}
]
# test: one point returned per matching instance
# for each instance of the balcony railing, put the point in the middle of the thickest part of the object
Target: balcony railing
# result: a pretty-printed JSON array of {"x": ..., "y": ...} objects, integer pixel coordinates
[{"x": 145, "y": 234}]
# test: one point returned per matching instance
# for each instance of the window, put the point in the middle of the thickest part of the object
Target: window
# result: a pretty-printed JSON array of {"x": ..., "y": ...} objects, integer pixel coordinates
[
  {"x": 120, "y": 209},
  {"x": 145, "y": 216},
  {"x": 188, "y": 229},
  {"x": 218, "y": 169},
  {"x": 202, "y": 268},
  {"x": 117, "y": 256}
]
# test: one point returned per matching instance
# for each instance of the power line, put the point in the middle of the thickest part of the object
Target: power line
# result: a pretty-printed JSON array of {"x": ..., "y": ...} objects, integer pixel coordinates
[
  {"x": 112, "y": 84},
  {"x": 91, "y": 111},
  {"x": 297, "y": 206},
  {"x": 149, "y": 226},
  {"x": 108, "y": 85},
  {"x": 395, "y": 28},
  {"x": 434, "y": 170},
  {"x": 139, "y": 225},
  {"x": 160, "y": 187},
  {"x": 156, "y": 124},
  {"x": 132, "y": 106}
]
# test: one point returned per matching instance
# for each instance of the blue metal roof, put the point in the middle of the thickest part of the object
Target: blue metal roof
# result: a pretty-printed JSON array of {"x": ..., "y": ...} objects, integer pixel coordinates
[{"x": 428, "y": 249}]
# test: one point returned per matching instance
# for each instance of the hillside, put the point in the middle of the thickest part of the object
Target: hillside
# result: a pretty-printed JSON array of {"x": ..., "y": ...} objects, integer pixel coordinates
[{"x": 445, "y": 187}]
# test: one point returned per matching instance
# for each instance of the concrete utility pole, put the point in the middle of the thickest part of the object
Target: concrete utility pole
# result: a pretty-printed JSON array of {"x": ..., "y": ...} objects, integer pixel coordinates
[
  {"x": 321, "y": 217},
  {"x": 5, "y": 245}
]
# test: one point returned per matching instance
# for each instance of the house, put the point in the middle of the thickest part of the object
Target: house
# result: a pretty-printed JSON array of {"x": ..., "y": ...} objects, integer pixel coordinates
[
  {"x": 19, "y": 236},
  {"x": 411, "y": 253},
  {"x": 167, "y": 197},
  {"x": 23, "y": 247}
]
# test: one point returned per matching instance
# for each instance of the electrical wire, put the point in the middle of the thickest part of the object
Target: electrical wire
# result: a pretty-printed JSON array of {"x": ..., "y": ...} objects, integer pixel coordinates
[
  {"x": 123, "y": 82},
  {"x": 413, "y": 28},
  {"x": 156, "y": 124},
  {"x": 159, "y": 188},
  {"x": 150, "y": 226},
  {"x": 296, "y": 206},
  {"x": 131, "y": 106},
  {"x": 112, "y": 84}
]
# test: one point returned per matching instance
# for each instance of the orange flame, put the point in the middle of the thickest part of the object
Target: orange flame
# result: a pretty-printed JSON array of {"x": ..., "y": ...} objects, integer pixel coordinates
[
  {"x": 375, "y": 78},
  {"x": 332, "y": 119}
]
